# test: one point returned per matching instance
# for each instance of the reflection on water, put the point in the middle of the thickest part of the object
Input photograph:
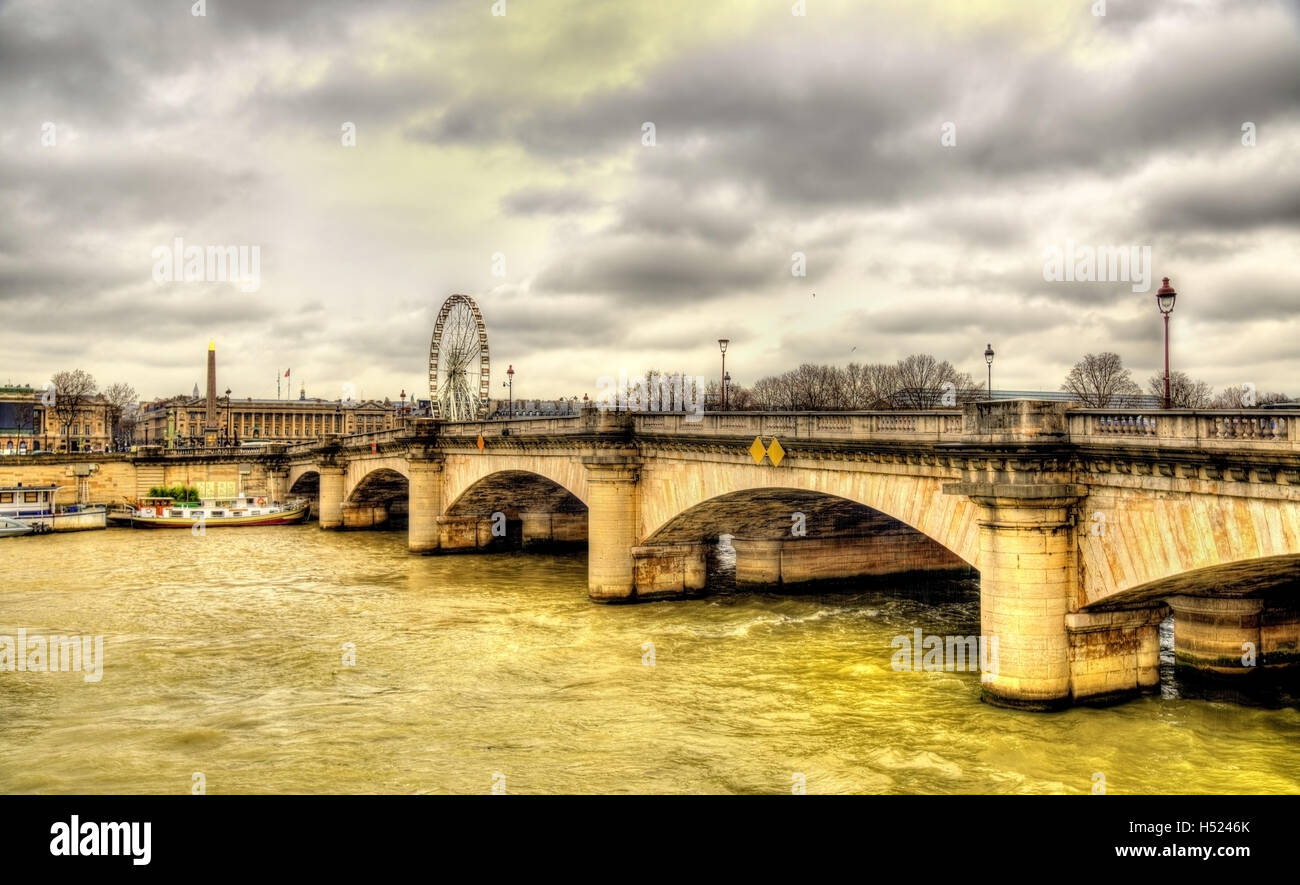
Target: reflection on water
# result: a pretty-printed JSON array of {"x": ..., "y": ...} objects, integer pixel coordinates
[{"x": 224, "y": 654}]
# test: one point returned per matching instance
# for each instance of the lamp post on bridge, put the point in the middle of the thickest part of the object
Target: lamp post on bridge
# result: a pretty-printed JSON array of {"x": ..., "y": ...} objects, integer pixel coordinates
[
  {"x": 510, "y": 384},
  {"x": 988, "y": 359},
  {"x": 1165, "y": 296},
  {"x": 722, "y": 345}
]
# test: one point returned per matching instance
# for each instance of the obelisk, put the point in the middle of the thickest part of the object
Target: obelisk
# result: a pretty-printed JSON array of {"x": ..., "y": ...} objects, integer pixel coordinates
[{"x": 210, "y": 428}]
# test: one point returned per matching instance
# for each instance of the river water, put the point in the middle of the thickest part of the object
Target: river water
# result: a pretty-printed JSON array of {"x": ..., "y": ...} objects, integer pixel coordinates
[{"x": 224, "y": 654}]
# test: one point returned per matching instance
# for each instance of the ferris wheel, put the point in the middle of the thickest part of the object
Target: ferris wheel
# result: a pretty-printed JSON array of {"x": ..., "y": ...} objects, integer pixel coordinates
[{"x": 458, "y": 362}]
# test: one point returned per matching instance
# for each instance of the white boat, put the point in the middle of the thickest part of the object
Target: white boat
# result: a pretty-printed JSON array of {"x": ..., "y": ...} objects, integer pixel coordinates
[
  {"x": 10, "y": 527},
  {"x": 34, "y": 506},
  {"x": 241, "y": 511}
]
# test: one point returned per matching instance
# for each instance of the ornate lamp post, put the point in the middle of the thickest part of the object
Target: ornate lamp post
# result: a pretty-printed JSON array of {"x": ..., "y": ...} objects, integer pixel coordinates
[
  {"x": 726, "y": 385},
  {"x": 722, "y": 345},
  {"x": 227, "y": 416},
  {"x": 988, "y": 359},
  {"x": 1165, "y": 296},
  {"x": 510, "y": 383}
]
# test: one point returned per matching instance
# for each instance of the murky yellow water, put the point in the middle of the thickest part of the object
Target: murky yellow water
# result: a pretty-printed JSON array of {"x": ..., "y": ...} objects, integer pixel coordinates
[{"x": 223, "y": 655}]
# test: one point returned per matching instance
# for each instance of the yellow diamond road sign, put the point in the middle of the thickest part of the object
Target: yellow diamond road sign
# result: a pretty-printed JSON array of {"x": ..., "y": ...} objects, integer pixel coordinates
[{"x": 775, "y": 452}]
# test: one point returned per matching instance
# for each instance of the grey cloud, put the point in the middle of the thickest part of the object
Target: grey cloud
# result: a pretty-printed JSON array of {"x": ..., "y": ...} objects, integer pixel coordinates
[
  {"x": 658, "y": 271},
  {"x": 1232, "y": 201},
  {"x": 548, "y": 201}
]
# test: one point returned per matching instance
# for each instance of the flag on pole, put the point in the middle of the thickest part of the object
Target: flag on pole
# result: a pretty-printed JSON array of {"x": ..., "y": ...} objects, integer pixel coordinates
[{"x": 286, "y": 373}]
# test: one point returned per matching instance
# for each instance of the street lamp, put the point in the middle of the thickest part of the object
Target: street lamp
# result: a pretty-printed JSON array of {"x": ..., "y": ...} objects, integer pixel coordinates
[
  {"x": 988, "y": 358},
  {"x": 510, "y": 383},
  {"x": 227, "y": 416},
  {"x": 1165, "y": 296},
  {"x": 722, "y": 345}
]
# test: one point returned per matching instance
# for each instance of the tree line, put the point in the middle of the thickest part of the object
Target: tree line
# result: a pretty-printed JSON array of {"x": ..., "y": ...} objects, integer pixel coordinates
[
  {"x": 922, "y": 381},
  {"x": 75, "y": 392},
  {"x": 1100, "y": 381}
]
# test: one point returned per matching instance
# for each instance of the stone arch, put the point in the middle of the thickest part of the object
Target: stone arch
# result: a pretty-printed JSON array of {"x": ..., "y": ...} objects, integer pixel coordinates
[
  {"x": 1135, "y": 546},
  {"x": 297, "y": 471},
  {"x": 462, "y": 472},
  {"x": 913, "y": 499},
  {"x": 379, "y": 499},
  {"x": 517, "y": 490},
  {"x": 510, "y": 509},
  {"x": 1241, "y": 578},
  {"x": 306, "y": 484}
]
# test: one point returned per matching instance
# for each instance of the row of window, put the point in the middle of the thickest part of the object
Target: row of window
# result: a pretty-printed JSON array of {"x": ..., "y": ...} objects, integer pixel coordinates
[{"x": 28, "y": 497}]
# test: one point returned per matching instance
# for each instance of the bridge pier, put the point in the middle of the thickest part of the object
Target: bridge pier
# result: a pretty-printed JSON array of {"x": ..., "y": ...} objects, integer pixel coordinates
[
  {"x": 758, "y": 562},
  {"x": 786, "y": 561},
  {"x": 363, "y": 516},
  {"x": 667, "y": 570},
  {"x": 1027, "y": 578},
  {"x": 611, "y": 511},
  {"x": 1219, "y": 634},
  {"x": 457, "y": 534},
  {"x": 1114, "y": 654},
  {"x": 542, "y": 527},
  {"x": 1279, "y": 635},
  {"x": 331, "y": 497},
  {"x": 424, "y": 496}
]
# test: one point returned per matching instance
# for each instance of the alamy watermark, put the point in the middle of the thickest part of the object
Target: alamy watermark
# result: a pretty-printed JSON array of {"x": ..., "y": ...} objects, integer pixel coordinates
[
  {"x": 952, "y": 653},
  {"x": 1099, "y": 264},
  {"x": 652, "y": 393},
  {"x": 210, "y": 264},
  {"x": 55, "y": 654}
]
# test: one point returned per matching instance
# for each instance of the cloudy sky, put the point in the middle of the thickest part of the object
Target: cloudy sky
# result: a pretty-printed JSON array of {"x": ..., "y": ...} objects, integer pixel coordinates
[{"x": 523, "y": 135}]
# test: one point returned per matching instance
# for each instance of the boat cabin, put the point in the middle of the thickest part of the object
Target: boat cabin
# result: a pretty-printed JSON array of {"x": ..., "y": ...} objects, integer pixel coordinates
[
  {"x": 20, "y": 501},
  {"x": 208, "y": 508}
]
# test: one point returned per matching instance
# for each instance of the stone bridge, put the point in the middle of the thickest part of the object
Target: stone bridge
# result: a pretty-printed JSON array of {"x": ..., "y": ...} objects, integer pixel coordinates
[{"x": 1087, "y": 527}]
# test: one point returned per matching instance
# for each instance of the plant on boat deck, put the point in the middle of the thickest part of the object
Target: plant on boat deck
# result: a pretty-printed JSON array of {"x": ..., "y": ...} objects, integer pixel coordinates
[{"x": 182, "y": 494}]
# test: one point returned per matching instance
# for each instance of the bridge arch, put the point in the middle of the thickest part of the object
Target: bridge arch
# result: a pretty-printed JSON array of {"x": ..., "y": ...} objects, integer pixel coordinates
[
  {"x": 1135, "y": 546},
  {"x": 462, "y": 472},
  {"x": 912, "y": 498},
  {"x": 513, "y": 508},
  {"x": 515, "y": 490},
  {"x": 380, "y": 498}
]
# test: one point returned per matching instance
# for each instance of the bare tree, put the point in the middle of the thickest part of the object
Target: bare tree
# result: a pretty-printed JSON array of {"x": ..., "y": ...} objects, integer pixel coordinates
[
  {"x": 816, "y": 388},
  {"x": 1184, "y": 393},
  {"x": 882, "y": 385},
  {"x": 867, "y": 386},
  {"x": 923, "y": 381},
  {"x": 1100, "y": 378},
  {"x": 73, "y": 390},
  {"x": 775, "y": 393},
  {"x": 118, "y": 398},
  {"x": 1241, "y": 396}
]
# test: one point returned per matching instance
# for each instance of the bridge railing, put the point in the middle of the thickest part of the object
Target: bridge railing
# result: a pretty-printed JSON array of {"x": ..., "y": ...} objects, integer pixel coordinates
[
  {"x": 930, "y": 425},
  {"x": 562, "y": 424},
  {"x": 1180, "y": 428}
]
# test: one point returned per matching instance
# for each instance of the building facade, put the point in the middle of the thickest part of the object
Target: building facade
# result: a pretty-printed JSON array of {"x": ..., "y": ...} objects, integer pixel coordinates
[
  {"x": 223, "y": 420},
  {"x": 27, "y": 425},
  {"x": 181, "y": 421}
]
